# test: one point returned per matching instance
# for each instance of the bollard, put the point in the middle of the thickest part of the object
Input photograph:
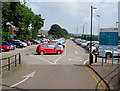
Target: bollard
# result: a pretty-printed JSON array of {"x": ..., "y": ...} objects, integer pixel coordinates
[
  {"x": 15, "y": 61},
  {"x": 112, "y": 58},
  {"x": 19, "y": 58},
  {"x": 95, "y": 58}
]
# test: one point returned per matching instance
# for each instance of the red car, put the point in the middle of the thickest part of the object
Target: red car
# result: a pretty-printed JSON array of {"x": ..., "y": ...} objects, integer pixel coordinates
[
  {"x": 5, "y": 47},
  {"x": 48, "y": 48}
]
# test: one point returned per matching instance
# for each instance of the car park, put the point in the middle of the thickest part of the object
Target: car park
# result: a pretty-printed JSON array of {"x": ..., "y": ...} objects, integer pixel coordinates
[{"x": 47, "y": 48}]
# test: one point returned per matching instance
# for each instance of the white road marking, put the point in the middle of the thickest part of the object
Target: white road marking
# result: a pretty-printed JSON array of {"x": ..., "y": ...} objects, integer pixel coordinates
[
  {"x": 69, "y": 59},
  {"x": 26, "y": 77},
  {"x": 60, "y": 56},
  {"x": 46, "y": 61},
  {"x": 76, "y": 52},
  {"x": 85, "y": 62}
]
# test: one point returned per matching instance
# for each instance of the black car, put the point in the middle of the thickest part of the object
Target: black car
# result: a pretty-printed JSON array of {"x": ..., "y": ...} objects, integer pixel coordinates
[
  {"x": 34, "y": 41},
  {"x": 18, "y": 44}
]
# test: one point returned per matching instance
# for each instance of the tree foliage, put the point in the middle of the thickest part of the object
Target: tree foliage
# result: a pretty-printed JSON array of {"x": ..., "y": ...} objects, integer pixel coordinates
[
  {"x": 21, "y": 17},
  {"x": 57, "y": 31}
]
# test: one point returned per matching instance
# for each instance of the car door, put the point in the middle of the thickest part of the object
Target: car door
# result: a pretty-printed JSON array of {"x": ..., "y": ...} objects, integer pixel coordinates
[
  {"x": 45, "y": 48},
  {"x": 51, "y": 49}
]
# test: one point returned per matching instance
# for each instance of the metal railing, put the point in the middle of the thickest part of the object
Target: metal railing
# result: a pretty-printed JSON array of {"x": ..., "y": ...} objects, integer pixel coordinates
[{"x": 7, "y": 63}]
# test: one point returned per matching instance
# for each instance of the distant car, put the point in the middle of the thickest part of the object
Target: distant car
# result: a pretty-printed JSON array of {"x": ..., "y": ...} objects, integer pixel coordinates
[
  {"x": 9, "y": 44},
  {"x": 60, "y": 44},
  {"x": 5, "y": 47},
  {"x": 26, "y": 41},
  {"x": 35, "y": 41},
  {"x": 24, "y": 44},
  {"x": 48, "y": 48},
  {"x": 18, "y": 44}
]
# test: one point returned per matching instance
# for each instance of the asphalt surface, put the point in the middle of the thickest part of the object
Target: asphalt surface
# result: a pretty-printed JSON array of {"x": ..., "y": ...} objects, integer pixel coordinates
[{"x": 51, "y": 71}]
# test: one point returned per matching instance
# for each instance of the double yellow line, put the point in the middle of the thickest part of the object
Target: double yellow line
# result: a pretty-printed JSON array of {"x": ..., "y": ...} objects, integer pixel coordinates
[{"x": 101, "y": 84}]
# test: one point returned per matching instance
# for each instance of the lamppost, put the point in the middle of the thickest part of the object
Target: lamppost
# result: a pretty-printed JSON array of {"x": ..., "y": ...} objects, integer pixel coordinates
[
  {"x": 98, "y": 23},
  {"x": 91, "y": 56},
  {"x": 86, "y": 30},
  {"x": 83, "y": 31}
]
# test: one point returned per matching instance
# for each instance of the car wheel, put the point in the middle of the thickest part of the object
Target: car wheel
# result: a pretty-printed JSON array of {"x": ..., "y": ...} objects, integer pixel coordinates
[
  {"x": 17, "y": 46},
  {"x": 108, "y": 55},
  {"x": 58, "y": 52},
  {"x": 42, "y": 53},
  {"x": 3, "y": 49}
]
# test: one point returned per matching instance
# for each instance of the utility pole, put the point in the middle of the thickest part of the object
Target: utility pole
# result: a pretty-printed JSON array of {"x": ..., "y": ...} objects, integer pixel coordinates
[{"x": 83, "y": 31}]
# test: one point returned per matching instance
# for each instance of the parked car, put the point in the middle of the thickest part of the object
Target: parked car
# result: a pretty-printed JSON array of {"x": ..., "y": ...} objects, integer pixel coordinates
[
  {"x": 12, "y": 47},
  {"x": 24, "y": 44},
  {"x": 35, "y": 41},
  {"x": 57, "y": 43},
  {"x": 85, "y": 44},
  {"x": 5, "y": 47},
  {"x": 18, "y": 44},
  {"x": 47, "y": 48},
  {"x": 26, "y": 41},
  {"x": 108, "y": 52}
]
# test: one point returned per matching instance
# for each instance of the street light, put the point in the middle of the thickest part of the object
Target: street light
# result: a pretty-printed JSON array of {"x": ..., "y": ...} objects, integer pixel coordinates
[
  {"x": 91, "y": 56},
  {"x": 98, "y": 23}
]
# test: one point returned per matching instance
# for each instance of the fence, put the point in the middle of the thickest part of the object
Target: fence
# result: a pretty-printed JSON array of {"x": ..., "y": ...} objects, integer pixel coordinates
[{"x": 7, "y": 63}]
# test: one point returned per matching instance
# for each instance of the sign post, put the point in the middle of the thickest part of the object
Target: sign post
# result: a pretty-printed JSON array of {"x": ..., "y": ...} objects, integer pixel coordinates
[{"x": 108, "y": 40}]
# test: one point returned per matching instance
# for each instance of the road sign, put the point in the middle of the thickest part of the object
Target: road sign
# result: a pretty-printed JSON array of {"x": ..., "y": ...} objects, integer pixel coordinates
[{"x": 109, "y": 38}]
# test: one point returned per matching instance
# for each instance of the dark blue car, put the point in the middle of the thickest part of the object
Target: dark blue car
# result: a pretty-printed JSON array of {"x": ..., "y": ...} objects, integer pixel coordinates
[{"x": 8, "y": 44}]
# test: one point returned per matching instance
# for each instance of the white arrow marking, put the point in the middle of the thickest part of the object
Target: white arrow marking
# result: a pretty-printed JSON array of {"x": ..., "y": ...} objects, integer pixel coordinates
[
  {"x": 26, "y": 77},
  {"x": 76, "y": 52},
  {"x": 85, "y": 62}
]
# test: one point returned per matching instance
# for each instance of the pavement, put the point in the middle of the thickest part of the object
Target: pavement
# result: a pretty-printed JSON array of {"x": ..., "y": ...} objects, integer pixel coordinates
[{"x": 108, "y": 71}]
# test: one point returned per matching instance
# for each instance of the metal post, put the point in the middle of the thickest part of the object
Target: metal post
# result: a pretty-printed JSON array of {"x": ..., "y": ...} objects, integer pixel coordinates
[
  {"x": 95, "y": 58},
  {"x": 19, "y": 58},
  {"x": 15, "y": 61},
  {"x": 102, "y": 61},
  {"x": 112, "y": 57},
  {"x": 91, "y": 56},
  {"x": 9, "y": 63}
]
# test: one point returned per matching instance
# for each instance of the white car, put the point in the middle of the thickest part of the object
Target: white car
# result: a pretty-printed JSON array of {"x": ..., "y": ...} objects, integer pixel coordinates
[
  {"x": 108, "y": 52},
  {"x": 24, "y": 44}
]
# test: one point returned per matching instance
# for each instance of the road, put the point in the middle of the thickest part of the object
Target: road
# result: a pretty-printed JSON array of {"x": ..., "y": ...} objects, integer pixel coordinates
[{"x": 65, "y": 71}]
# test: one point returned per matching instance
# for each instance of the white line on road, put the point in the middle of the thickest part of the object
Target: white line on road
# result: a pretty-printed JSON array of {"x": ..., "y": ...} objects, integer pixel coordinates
[
  {"x": 60, "y": 56},
  {"x": 26, "y": 77},
  {"x": 76, "y": 52},
  {"x": 46, "y": 61},
  {"x": 85, "y": 62}
]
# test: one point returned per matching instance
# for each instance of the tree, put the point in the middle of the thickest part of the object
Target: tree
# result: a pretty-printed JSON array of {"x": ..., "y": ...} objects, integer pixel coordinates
[
  {"x": 21, "y": 16},
  {"x": 57, "y": 31}
]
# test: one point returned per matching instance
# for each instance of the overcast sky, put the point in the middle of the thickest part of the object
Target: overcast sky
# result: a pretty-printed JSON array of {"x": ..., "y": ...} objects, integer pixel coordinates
[{"x": 73, "y": 14}]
